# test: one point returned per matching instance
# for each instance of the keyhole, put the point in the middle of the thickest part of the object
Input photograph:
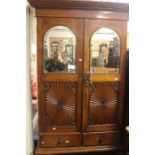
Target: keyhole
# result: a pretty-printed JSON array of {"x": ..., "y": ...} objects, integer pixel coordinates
[
  {"x": 103, "y": 103},
  {"x": 60, "y": 105}
]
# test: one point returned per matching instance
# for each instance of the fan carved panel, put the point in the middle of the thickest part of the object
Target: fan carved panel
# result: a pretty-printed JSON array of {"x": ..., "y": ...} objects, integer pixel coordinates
[
  {"x": 103, "y": 101},
  {"x": 60, "y": 103}
]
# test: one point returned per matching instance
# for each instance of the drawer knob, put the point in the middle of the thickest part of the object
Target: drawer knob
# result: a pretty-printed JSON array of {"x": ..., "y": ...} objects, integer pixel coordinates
[
  {"x": 59, "y": 141},
  {"x": 67, "y": 141},
  {"x": 101, "y": 140},
  {"x": 54, "y": 128},
  {"x": 42, "y": 142}
]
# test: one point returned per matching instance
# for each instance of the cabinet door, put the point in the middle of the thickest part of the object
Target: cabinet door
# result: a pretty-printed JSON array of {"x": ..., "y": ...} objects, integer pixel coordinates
[
  {"x": 60, "y": 47},
  {"x": 103, "y": 89}
]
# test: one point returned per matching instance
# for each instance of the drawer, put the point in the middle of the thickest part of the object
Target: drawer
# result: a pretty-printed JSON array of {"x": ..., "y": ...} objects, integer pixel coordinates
[
  {"x": 60, "y": 140},
  {"x": 101, "y": 138}
]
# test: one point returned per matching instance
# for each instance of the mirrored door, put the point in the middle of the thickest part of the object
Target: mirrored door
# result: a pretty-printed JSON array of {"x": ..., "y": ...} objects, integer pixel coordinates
[
  {"x": 60, "y": 54},
  {"x": 103, "y": 75}
]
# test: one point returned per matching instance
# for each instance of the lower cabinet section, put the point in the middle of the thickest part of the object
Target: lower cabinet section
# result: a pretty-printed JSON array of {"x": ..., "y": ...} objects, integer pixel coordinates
[
  {"x": 75, "y": 139},
  {"x": 101, "y": 138},
  {"x": 60, "y": 140}
]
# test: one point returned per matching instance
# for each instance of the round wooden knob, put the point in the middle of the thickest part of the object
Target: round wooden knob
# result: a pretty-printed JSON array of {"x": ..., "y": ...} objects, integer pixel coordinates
[
  {"x": 54, "y": 128},
  {"x": 101, "y": 139},
  {"x": 42, "y": 142},
  {"x": 67, "y": 141},
  {"x": 59, "y": 141}
]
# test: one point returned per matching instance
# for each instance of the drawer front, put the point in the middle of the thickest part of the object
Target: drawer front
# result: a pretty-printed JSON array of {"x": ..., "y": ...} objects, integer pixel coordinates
[
  {"x": 60, "y": 140},
  {"x": 101, "y": 138}
]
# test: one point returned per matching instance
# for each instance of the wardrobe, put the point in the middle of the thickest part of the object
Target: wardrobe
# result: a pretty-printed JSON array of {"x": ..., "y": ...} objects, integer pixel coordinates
[{"x": 81, "y": 50}]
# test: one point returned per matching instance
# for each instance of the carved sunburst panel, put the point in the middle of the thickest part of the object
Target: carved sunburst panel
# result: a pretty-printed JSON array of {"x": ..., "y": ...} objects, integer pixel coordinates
[
  {"x": 103, "y": 101},
  {"x": 60, "y": 103}
]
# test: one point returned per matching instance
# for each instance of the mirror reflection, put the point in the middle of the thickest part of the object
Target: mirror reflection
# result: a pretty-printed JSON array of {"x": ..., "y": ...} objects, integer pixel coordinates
[
  {"x": 59, "y": 50},
  {"x": 105, "y": 51}
]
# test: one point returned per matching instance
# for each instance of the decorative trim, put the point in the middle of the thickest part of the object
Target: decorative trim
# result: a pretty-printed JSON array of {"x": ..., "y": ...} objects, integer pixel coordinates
[
  {"x": 78, "y": 4},
  {"x": 91, "y": 14},
  {"x": 115, "y": 85},
  {"x": 100, "y": 101},
  {"x": 41, "y": 151},
  {"x": 60, "y": 103}
]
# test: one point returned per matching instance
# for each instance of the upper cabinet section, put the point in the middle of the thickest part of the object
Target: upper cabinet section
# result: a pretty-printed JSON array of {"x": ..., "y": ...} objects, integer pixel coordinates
[
  {"x": 105, "y": 51},
  {"x": 80, "y": 4},
  {"x": 59, "y": 50}
]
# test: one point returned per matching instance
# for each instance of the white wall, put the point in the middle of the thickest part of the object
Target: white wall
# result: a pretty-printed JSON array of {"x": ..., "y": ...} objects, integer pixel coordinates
[{"x": 29, "y": 142}]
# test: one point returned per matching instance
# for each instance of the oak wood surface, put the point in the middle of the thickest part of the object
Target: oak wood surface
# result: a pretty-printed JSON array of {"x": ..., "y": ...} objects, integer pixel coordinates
[
  {"x": 104, "y": 77},
  {"x": 106, "y": 127},
  {"x": 46, "y": 151},
  {"x": 93, "y": 14},
  {"x": 91, "y": 26},
  {"x": 101, "y": 138},
  {"x": 80, "y": 4},
  {"x": 43, "y": 25},
  {"x": 60, "y": 77},
  {"x": 82, "y": 23},
  {"x": 60, "y": 140}
]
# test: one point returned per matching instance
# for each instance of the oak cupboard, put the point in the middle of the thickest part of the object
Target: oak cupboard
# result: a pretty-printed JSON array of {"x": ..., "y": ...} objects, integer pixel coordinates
[{"x": 81, "y": 49}]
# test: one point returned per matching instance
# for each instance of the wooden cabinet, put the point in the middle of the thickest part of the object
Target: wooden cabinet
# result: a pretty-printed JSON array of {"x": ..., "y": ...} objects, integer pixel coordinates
[{"x": 81, "y": 74}]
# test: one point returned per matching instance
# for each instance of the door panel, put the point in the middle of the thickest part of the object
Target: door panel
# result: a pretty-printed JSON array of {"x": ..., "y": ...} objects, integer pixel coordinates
[
  {"x": 60, "y": 56},
  {"x": 103, "y": 75},
  {"x": 60, "y": 103},
  {"x": 103, "y": 102}
]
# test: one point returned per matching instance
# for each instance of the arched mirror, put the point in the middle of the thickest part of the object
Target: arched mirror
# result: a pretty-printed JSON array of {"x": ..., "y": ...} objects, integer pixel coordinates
[
  {"x": 105, "y": 51},
  {"x": 59, "y": 50}
]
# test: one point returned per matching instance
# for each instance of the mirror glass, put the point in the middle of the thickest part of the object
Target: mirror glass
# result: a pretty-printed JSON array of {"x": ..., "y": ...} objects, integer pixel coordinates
[
  {"x": 59, "y": 50},
  {"x": 105, "y": 51}
]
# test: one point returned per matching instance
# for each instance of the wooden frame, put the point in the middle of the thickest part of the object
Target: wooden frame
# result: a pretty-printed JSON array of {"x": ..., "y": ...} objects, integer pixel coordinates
[
  {"x": 80, "y": 4},
  {"x": 92, "y": 14},
  {"x": 47, "y": 151}
]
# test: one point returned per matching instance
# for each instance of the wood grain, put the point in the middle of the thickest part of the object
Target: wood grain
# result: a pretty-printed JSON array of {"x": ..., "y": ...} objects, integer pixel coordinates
[
  {"x": 60, "y": 140},
  {"x": 80, "y": 4},
  {"x": 47, "y": 151},
  {"x": 43, "y": 25},
  {"x": 105, "y": 78},
  {"x": 109, "y": 138},
  {"x": 108, "y": 15},
  {"x": 91, "y": 26},
  {"x": 83, "y": 18}
]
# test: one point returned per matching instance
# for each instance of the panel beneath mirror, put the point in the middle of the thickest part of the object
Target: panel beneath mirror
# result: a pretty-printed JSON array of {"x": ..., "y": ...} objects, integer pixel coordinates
[
  {"x": 103, "y": 102},
  {"x": 60, "y": 103},
  {"x": 59, "y": 50},
  {"x": 105, "y": 51}
]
